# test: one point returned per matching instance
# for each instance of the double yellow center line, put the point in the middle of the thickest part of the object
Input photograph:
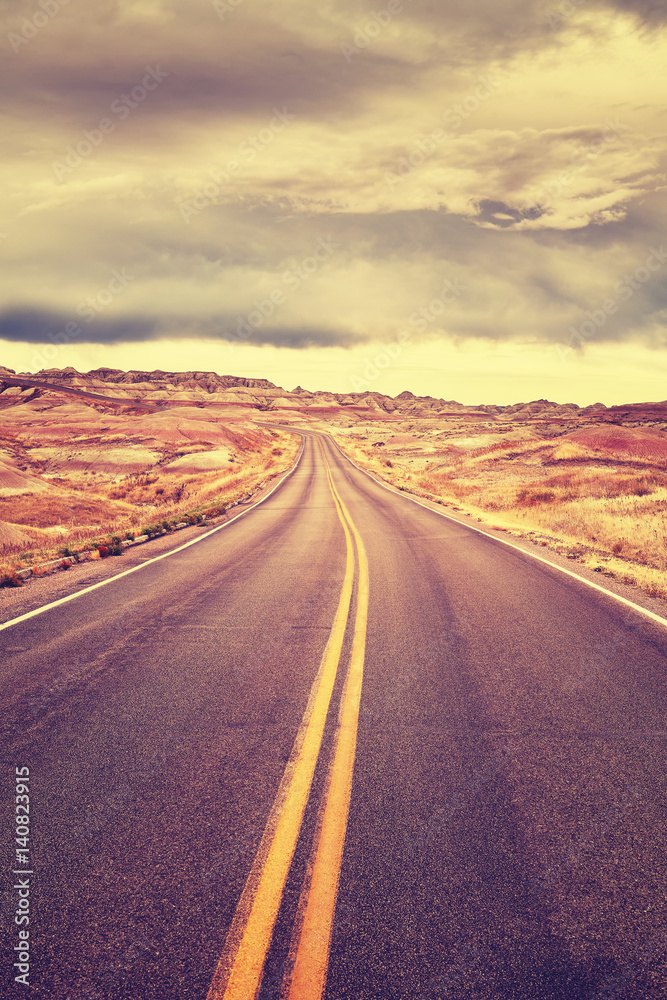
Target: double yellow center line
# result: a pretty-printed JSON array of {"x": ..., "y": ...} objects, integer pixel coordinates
[{"x": 239, "y": 972}]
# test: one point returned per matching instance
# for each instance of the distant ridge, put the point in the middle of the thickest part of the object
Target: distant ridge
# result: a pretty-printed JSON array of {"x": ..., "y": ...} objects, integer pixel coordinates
[{"x": 157, "y": 389}]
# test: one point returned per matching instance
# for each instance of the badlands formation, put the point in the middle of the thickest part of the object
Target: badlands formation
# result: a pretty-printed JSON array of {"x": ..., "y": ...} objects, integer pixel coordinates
[{"x": 85, "y": 455}]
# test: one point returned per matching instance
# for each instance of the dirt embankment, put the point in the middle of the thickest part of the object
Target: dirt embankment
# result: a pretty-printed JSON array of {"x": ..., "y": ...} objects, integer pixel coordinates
[{"x": 75, "y": 474}]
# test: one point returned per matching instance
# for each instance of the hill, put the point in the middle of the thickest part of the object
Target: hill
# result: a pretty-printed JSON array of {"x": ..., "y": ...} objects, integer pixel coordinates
[{"x": 86, "y": 456}]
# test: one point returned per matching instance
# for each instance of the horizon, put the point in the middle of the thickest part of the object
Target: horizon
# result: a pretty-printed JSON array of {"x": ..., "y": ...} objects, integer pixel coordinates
[
  {"x": 406, "y": 198},
  {"x": 305, "y": 388}
]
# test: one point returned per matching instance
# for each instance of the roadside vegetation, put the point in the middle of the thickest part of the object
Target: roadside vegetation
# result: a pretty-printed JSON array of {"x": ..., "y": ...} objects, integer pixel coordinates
[
  {"x": 83, "y": 511},
  {"x": 596, "y": 494}
]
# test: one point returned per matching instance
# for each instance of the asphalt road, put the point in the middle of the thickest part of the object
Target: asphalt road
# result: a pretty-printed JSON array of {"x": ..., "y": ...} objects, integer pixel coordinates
[{"x": 494, "y": 765}]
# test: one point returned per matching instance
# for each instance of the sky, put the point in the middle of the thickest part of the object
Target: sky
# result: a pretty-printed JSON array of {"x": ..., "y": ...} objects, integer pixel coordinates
[{"x": 462, "y": 199}]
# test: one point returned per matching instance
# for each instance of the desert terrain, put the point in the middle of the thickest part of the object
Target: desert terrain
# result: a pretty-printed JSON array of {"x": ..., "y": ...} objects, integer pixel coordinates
[
  {"x": 495, "y": 767},
  {"x": 592, "y": 488},
  {"x": 81, "y": 475},
  {"x": 90, "y": 460}
]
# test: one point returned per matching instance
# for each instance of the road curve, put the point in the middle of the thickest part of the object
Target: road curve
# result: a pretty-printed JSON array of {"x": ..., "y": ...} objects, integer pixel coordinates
[{"x": 348, "y": 744}]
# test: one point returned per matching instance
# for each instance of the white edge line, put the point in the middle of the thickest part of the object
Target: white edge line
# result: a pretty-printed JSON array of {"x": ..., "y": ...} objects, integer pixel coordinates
[
  {"x": 504, "y": 541},
  {"x": 148, "y": 562}
]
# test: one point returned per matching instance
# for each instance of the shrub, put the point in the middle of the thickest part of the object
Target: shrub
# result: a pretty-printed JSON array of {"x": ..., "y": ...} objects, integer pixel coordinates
[
  {"x": 114, "y": 546},
  {"x": 528, "y": 498},
  {"x": 103, "y": 551}
]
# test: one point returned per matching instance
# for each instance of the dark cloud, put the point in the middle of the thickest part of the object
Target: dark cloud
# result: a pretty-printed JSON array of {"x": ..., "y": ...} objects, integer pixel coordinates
[
  {"x": 504, "y": 216},
  {"x": 37, "y": 326},
  {"x": 76, "y": 67},
  {"x": 538, "y": 222},
  {"x": 297, "y": 338},
  {"x": 643, "y": 226},
  {"x": 650, "y": 12},
  {"x": 258, "y": 56},
  {"x": 77, "y": 70},
  {"x": 42, "y": 326}
]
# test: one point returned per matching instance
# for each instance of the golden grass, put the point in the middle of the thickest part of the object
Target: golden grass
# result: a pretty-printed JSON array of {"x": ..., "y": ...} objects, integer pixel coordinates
[
  {"x": 83, "y": 510},
  {"x": 607, "y": 512}
]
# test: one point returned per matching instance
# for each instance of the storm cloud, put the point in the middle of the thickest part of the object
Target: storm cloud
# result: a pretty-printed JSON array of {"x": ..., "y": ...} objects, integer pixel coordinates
[{"x": 324, "y": 174}]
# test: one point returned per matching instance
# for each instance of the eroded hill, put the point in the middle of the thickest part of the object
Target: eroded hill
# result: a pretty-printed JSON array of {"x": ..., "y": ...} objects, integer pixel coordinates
[{"x": 113, "y": 451}]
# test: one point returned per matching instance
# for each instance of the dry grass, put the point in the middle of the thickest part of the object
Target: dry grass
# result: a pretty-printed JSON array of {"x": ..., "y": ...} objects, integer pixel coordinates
[
  {"x": 597, "y": 495},
  {"x": 80, "y": 508}
]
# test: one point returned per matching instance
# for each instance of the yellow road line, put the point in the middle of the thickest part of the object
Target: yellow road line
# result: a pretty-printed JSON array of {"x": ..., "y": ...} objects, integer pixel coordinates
[
  {"x": 239, "y": 972},
  {"x": 310, "y": 956}
]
